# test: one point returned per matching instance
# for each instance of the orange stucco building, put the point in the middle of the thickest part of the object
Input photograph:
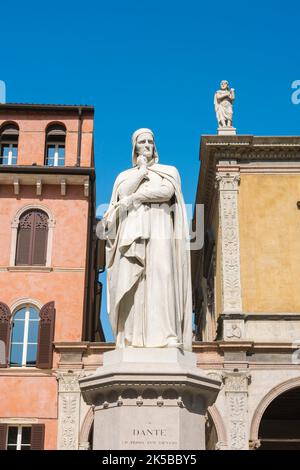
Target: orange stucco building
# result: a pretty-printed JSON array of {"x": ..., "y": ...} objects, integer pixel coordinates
[{"x": 49, "y": 289}]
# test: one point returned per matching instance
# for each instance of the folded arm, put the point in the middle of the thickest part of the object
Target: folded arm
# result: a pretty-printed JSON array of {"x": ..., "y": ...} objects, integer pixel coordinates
[
  {"x": 151, "y": 193},
  {"x": 132, "y": 182}
]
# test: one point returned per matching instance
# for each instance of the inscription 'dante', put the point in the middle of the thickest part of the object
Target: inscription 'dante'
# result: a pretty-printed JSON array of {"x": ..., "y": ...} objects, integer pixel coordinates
[{"x": 150, "y": 432}]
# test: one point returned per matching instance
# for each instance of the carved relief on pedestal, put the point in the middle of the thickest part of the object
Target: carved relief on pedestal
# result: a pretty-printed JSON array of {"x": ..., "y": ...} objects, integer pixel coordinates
[
  {"x": 231, "y": 282},
  {"x": 236, "y": 391},
  {"x": 233, "y": 330},
  {"x": 68, "y": 410},
  {"x": 148, "y": 397}
]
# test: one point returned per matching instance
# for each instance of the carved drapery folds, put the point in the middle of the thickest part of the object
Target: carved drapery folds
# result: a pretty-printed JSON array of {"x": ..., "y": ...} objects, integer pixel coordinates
[{"x": 231, "y": 282}]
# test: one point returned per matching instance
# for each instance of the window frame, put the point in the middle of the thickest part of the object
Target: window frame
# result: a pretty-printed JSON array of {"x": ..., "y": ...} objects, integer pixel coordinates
[
  {"x": 56, "y": 134},
  {"x": 25, "y": 342},
  {"x": 32, "y": 245},
  {"x": 19, "y": 436},
  {"x": 56, "y": 157},
  {"x": 9, "y": 136},
  {"x": 14, "y": 237},
  {"x": 10, "y": 156}
]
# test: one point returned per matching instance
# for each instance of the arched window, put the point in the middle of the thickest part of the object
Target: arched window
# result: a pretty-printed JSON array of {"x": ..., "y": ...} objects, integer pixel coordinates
[
  {"x": 32, "y": 238},
  {"x": 9, "y": 136},
  {"x": 28, "y": 334},
  {"x": 55, "y": 145},
  {"x": 24, "y": 339}
]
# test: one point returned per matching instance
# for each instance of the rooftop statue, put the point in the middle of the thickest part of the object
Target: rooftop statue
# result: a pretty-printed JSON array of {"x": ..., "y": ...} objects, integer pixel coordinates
[{"x": 223, "y": 101}]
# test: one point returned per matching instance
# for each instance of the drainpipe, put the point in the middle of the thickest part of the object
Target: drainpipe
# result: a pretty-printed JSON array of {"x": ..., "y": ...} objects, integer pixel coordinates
[{"x": 79, "y": 136}]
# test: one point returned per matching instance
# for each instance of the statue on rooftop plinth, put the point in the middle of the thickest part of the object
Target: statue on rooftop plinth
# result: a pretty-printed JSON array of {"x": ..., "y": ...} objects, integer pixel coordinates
[{"x": 223, "y": 101}]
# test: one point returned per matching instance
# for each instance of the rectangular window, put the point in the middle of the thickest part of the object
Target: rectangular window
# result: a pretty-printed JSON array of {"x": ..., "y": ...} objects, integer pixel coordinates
[
  {"x": 8, "y": 154},
  {"x": 19, "y": 438},
  {"x": 55, "y": 155}
]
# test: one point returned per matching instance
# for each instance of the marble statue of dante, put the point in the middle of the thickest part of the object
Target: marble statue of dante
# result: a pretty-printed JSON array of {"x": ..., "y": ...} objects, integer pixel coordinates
[
  {"x": 147, "y": 255},
  {"x": 223, "y": 104}
]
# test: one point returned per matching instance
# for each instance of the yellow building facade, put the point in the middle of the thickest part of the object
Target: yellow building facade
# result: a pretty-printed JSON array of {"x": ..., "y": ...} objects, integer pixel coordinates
[{"x": 246, "y": 288}]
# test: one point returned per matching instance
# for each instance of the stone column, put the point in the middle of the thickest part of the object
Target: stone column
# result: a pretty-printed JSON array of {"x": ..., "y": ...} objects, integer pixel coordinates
[
  {"x": 68, "y": 410},
  {"x": 149, "y": 399},
  {"x": 236, "y": 392},
  {"x": 233, "y": 323}
]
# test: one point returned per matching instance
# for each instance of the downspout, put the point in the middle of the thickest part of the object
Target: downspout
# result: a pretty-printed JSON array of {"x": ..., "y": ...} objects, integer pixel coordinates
[
  {"x": 79, "y": 136},
  {"x": 86, "y": 326}
]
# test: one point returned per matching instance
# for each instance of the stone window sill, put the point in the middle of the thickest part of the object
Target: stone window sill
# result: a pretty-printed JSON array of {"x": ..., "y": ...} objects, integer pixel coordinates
[
  {"x": 31, "y": 269},
  {"x": 22, "y": 371}
]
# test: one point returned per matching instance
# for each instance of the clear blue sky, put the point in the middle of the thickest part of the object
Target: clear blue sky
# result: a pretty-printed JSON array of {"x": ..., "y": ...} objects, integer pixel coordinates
[{"x": 155, "y": 64}]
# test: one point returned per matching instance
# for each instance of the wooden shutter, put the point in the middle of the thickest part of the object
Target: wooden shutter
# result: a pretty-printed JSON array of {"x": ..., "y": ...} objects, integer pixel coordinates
[
  {"x": 25, "y": 231},
  {"x": 32, "y": 239},
  {"x": 5, "y": 329},
  {"x": 46, "y": 336},
  {"x": 37, "y": 437},
  {"x": 3, "y": 436},
  {"x": 39, "y": 239},
  {"x": 101, "y": 258}
]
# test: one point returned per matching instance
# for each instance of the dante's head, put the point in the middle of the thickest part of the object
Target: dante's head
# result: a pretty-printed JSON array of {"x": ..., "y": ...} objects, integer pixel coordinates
[
  {"x": 143, "y": 144},
  {"x": 224, "y": 85}
]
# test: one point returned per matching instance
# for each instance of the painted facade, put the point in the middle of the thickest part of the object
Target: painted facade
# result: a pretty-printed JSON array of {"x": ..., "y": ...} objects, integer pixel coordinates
[{"x": 66, "y": 194}]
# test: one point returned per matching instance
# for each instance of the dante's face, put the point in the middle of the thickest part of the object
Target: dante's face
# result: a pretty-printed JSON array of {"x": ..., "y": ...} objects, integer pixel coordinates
[
  {"x": 224, "y": 84},
  {"x": 145, "y": 145}
]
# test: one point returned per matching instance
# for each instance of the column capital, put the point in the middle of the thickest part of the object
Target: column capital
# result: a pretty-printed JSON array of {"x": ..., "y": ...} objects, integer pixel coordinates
[{"x": 227, "y": 180}]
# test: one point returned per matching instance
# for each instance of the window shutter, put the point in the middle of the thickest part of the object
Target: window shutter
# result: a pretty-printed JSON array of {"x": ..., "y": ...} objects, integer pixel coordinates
[
  {"x": 46, "y": 336},
  {"x": 32, "y": 239},
  {"x": 5, "y": 328},
  {"x": 101, "y": 261},
  {"x": 40, "y": 236},
  {"x": 24, "y": 242},
  {"x": 37, "y": 437},
  {"x": 3, "y": 436}
]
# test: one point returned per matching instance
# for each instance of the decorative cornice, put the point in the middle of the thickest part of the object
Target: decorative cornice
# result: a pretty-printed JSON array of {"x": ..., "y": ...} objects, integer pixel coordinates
[
  {"x": 147, "y": 397},
  {"x": 236, "y": 150},
  {"x": 219, "y": 347}
]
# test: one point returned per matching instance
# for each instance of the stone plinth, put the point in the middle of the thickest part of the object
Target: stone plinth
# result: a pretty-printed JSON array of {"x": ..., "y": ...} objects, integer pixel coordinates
[
  {"x": 149, "y": 399},
  {"x": 226, "y": 131}
]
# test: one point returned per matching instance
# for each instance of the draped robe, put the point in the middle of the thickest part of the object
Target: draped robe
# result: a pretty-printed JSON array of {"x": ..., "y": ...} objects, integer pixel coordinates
[
  {"x": 223, "y": 106},
  {"x": 148, "y": 263}
]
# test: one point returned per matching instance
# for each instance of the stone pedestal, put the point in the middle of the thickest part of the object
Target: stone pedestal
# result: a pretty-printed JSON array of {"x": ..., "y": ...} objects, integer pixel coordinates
[
  {"x": 149, "y": 399},
  {"x": 226, "y": 131}
]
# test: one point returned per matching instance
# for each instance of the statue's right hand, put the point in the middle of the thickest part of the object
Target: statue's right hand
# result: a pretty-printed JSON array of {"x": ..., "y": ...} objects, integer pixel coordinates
[
  {"x": 142, "y": 165},
  {"x": 141, "y": 161}
]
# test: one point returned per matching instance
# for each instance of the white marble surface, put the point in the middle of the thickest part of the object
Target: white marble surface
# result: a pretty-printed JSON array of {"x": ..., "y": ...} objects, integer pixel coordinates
[
  {"x": 223, "y": 101},
  {"x": 147, "y": 253},
  {"x": 149, "y": 399}
]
